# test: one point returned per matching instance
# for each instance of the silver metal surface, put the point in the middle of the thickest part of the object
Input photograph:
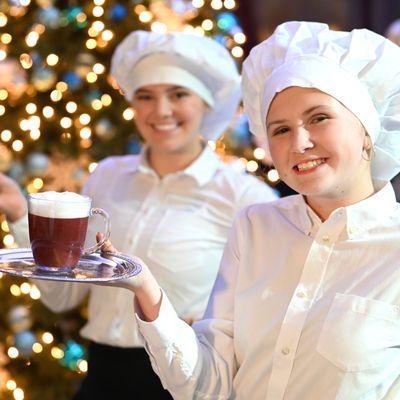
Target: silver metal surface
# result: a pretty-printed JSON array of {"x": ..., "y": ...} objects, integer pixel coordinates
[{"x": 93, "y": 267}]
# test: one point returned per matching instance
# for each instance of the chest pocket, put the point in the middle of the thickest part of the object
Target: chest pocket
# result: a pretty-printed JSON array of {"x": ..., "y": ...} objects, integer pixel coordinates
[
  {"x": 360, "y": 333},
  {"x": 184, "y": 239}
]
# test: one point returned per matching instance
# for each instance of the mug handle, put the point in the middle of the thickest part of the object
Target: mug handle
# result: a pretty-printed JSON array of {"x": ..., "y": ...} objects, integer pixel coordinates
[{"x": 106, "y": 235}]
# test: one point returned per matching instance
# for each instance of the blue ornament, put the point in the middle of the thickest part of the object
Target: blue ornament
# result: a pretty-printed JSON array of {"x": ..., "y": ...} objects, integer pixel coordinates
[
  {"x": 43, "y": 79},
  {"x": 50, "y": 17},
  {"x": 73, "y": 80},
  {"x": 92, "y": 95},
  {"x": 104, "y": 129},
  {"x": 74, "y": 11},
  {"x": 73, "y": 352},
  {"x": 118, "y": 12},
  {"x": 36, "y": 164},
  {"x": 226, "y": 21},
  {"x": 133, "y": 146},
  {"x": 19, "y": 318},
  {"x": 221, "y": 39},
  {"x": 17, "y": 172},
  {"x": 24, "y": 341}
]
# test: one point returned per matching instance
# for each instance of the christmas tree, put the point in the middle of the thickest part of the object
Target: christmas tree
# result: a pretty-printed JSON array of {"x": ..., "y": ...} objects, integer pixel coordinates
[{"x": 60, "y": 113}]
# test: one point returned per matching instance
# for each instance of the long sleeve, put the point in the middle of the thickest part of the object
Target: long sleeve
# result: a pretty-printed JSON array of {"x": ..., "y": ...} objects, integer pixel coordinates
[{"x": 186, "y": 359}]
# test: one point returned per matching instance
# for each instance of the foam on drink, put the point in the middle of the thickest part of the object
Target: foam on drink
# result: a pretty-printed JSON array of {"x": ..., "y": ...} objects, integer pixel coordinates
[{"x": 59, "y": 205}]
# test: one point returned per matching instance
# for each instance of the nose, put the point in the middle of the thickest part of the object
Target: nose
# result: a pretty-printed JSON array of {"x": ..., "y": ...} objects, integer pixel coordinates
[
  {"x": 301, "y": 140},
  {"x": 163, "y": 107}
]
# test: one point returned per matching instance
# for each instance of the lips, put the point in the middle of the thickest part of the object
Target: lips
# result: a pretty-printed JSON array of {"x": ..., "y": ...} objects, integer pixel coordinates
[{"x": 309, "y": 165}]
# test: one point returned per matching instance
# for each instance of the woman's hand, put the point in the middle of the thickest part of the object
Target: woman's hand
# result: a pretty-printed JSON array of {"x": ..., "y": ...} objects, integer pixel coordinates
[
  {"x": 12, "y": 202},
  {"x": 147, "y": 291}
]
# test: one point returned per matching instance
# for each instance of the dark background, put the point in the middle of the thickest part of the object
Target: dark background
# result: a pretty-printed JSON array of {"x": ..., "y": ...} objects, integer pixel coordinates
[{"x": 260, "y": 17}]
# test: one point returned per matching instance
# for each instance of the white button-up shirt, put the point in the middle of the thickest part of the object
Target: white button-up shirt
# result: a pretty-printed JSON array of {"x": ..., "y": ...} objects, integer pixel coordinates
[
  {"x": 178, "y": 225},
  {"x": 301, "y": 310}
]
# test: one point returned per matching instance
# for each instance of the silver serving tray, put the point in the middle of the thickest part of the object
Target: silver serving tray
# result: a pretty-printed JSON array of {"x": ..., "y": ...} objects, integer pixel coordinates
[{"x": 93, "y": 267}]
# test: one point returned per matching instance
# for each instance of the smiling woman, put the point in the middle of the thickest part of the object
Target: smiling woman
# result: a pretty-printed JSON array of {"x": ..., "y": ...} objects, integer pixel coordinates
[
  {"x": 172, "y": 205},
  {"x": 306, "y": 302}
]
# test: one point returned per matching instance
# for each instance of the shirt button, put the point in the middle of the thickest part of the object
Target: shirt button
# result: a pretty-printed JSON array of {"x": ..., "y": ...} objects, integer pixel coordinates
[
  {"x": 285, "y": 351},
  {"x": 325, "y": 239},
  {"x": 301, "y": 295}
]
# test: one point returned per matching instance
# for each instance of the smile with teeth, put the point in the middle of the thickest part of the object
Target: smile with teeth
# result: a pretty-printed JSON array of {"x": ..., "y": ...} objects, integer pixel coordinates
[
  {"x": 310, "y": 164},
  {"x": 165, "y": 127}
]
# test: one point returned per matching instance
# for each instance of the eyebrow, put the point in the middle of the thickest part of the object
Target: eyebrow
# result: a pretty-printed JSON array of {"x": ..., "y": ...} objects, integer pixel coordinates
[
  {"x": 308, "y": 111},
  {"x": 173, "y": 88}
]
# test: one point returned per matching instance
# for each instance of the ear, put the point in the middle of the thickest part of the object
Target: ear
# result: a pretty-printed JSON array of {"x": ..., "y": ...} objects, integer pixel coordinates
[{"x": 367, "y": 145}]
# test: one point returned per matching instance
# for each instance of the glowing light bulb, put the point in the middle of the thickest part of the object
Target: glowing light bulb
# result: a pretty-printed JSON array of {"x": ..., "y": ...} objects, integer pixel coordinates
[
  {"x": 259, "y": 153},
  {"x": 84, "y": 119},
  {"x": 71, "y": 107},
  {"x": 239, "y": 37},
  {"x": 128, "y": 114},
  {"x": 48, "y": 111},
  {"x": 98, "y": 68},
  {"x": 8, "y": 240},
  {"x": 237, "y": 52},
  {"x": 197, "y": 3},
  {"x": 273, "y": 175},
  {"x": 13, "y": 352},
  {"x": 92, "y": 167},
  {"x": 17, "y": 145},
  {"x": 66, "y": 122},
  {"x": 37, "y": 347},
  {"x": 15, "y": 290},
  {"x": 145, "y": 16},
  {"x": 52, "y": 59},
  {"x": 47, "y": 337},
  {"x": 31, "y": 108},
  {"x": 252, "y": 166},
  {"x": 6, "y": 135},
  {"x": 207, "y": 24}
]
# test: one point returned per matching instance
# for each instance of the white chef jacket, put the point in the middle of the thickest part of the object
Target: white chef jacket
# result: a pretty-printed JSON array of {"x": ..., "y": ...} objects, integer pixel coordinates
[
  {"x": 301, "y": 310},
  {"x": 177, "y": 224}
]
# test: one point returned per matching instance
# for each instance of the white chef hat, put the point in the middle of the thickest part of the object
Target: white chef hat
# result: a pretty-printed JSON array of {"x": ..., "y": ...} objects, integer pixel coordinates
[
  {"x": 360, "y": 68},
  {"x": 197, "y": 63}
]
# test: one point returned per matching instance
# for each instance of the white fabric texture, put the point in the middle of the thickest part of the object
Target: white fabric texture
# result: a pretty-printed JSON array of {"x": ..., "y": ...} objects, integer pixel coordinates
[
  {"x": 202, "y": 57},
  {"x": 321, "y": 321},
  {"x": 178, "y": 225},
  {"x": 161, "y": 68},
  {"x": 358, "y": 68}
]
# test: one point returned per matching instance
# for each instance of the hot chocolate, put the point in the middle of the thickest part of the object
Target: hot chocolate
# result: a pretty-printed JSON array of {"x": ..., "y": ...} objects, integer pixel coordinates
[{"x": 57, "y": 228}]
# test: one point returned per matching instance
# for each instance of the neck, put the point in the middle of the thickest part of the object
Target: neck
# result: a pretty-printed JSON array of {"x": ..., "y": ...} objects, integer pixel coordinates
[
  {"x": 170, "y": 162},
  {"x": 324, "y": 207}
]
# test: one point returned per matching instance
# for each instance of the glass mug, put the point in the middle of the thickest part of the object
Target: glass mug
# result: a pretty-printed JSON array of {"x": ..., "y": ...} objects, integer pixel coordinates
[{"x": 57, "y": 228}]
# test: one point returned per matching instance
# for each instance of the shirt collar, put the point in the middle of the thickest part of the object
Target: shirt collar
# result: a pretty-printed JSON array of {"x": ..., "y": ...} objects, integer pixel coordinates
[
  {"x": 372, "y": 211},
  {"x": 360, "y": 217},
  {"x": 202, "y": 169}
]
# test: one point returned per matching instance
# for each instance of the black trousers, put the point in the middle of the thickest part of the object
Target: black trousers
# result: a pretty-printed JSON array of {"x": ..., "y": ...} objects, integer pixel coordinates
[{"x": 120, "y": 373}]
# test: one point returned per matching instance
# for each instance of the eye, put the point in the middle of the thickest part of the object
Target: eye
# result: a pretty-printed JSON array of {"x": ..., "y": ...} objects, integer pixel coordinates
[
  {"x": 318, "y": 118},
  {"x": 180, "y": 94},
  {"x": 280, "y": 131},
  {"x": 143, "y": 97}
]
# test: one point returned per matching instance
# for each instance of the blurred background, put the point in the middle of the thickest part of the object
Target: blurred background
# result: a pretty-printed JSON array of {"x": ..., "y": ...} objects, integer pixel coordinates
[{"x": 60, "y": 112}]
